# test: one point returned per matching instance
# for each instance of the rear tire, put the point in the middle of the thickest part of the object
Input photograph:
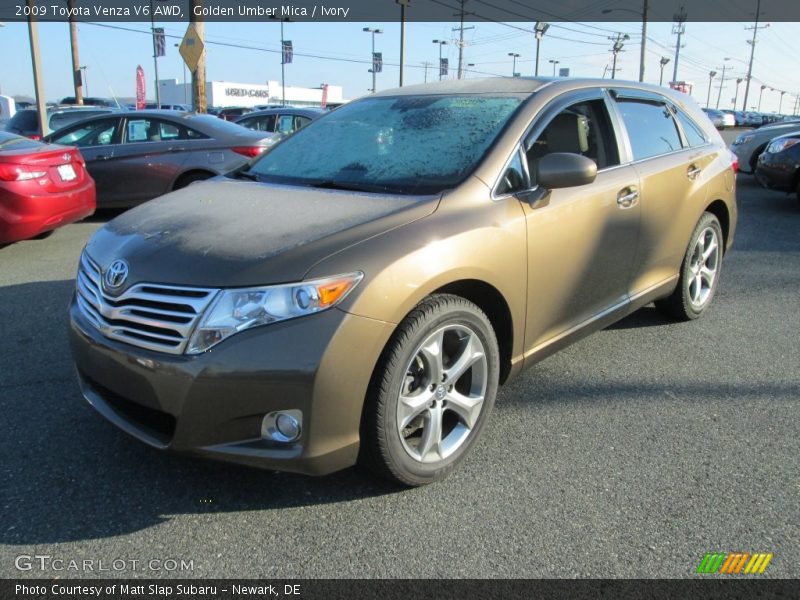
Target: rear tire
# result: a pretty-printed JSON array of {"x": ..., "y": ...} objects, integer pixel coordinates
[
  {"x": 432, "y": 392},
  {"x": 699, "y": 274}
]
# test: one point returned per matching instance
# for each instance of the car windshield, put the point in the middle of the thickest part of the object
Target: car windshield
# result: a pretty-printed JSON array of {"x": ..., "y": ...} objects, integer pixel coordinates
[{"x": 405, "y": 145}]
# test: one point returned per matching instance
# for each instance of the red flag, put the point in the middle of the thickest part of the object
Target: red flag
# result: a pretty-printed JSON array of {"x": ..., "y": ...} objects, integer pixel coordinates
[
  {"x": 140, "y": 88},
  {"x": 324, "y": 103}
]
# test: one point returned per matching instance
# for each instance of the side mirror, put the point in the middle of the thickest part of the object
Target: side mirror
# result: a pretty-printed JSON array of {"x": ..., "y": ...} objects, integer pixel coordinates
[{"x": 563, "y": 170}]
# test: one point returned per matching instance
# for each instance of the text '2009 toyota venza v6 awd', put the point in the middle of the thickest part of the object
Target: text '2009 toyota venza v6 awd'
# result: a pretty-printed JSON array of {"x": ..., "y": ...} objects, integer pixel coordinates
[{"x": 357, "y": 294}]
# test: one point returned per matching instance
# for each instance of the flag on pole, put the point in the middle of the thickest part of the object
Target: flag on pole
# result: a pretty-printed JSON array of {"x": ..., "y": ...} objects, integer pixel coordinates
[
  {"x": 377, "y": 62},
  {"x": 160, "y": 41},
  {"x": 443, "y": 64},
  {"x": 140, "y": 88},
  {"x": 288, "y": 53}
]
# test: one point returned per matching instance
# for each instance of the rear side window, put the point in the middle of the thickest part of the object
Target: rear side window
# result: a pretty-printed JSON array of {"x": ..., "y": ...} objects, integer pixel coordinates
[
  {"x": 24, "y": 120},
  {"x": 651, "y": 128},
  {"x": 693, "y": 132},
  {"x": 59, "y": 120}
]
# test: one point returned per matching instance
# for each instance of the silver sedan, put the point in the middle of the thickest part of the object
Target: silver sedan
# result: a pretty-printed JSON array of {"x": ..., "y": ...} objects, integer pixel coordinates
[{"x": 139, "y": 155}]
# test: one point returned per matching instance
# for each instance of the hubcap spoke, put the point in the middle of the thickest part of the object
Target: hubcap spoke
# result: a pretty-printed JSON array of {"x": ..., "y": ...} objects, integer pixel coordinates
[
  {"x": 432, "y": 351},
  {"x": 469, "y": 356},
  {"x": 410, "y": 407},
  {"x": 430, "y": 444},
  {"x": 710, "y": 249},
  {"x": 703, "y": 269},
  {"x": 467, "y": 408}
]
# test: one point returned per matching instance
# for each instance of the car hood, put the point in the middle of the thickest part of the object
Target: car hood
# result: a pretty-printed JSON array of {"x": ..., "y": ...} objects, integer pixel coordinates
[{"x": 223, "y": 233}]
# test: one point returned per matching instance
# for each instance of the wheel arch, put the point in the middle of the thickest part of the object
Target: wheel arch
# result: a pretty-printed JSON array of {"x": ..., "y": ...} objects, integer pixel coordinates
[
  {"x": 189, "y": 173},
  {"x": 719, "y": 209}
]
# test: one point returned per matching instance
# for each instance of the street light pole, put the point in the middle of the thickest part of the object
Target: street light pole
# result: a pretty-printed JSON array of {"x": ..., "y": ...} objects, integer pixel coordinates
[
  {"x": 85, "y": 80},
  {"x": 760, "y": 95},
  {"x": 403, "y": 4},
  {"x": 780, "y": 104},
  {"x": 373, "y": 31},
  {"x": 514, "y": 56},
  {"x": 554, "y": 63},
  {"x": 711, "y": 75},
  {"x": 185, "y": 98},
  {"x": 663, "y": 62},
  {"x": 540, "y": 29},
  {"x": 736, "y": 95},
  {"x": 441, "y": 43},
  {"x": 643, "y": 14}
]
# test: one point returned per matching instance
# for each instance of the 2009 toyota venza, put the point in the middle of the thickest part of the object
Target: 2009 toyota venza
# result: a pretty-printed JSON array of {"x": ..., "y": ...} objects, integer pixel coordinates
[{"x": 359, "y": 293}]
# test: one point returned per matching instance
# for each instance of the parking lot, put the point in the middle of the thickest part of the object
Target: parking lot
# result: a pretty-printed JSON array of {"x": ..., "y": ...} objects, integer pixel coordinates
[{"x": 630, "y": 454}]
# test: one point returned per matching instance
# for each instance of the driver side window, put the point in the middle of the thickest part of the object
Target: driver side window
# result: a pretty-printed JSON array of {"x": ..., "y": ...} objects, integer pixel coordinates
[
  {"x": 95, "y": 133},
  {"x": 583, "y": 128}
]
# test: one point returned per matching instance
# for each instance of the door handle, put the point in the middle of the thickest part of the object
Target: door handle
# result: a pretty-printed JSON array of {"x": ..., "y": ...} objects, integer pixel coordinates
[
  {"x": 693, "y": 171},
  {"x": 628, "y": 197}
]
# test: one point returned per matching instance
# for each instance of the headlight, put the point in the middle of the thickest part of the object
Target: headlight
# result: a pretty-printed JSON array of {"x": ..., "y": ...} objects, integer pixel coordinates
[
  {"x": 235, "y": 310},
  {"x": 742, "y": 139},
  {"x": 781, "y": 145}
]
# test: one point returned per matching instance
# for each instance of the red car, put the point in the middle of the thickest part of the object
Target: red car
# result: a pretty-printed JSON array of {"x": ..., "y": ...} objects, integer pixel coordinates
[{"x": 42, "y": 186}]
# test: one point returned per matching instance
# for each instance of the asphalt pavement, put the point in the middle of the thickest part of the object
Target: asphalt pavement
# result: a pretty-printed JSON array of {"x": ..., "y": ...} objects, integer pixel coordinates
[{"x": 630, "y": 454}]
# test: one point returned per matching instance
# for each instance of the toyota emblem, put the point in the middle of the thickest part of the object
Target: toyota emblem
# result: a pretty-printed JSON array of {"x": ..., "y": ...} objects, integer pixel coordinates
[{"x": 116, "y": 274}]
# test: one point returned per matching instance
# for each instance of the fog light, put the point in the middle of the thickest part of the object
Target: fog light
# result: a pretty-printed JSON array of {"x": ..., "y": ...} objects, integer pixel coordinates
[
  {"x": 284, "y": 426},
  {"x": 288, "y": 426}
]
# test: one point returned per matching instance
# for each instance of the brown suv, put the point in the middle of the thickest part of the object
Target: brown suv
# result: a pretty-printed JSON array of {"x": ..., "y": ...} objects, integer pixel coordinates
[{"x": 359, "y": 293}]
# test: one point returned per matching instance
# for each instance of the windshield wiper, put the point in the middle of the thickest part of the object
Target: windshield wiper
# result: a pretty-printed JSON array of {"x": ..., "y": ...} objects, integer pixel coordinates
[
  {"x": 330, "y": 184},
  {"x": 245, "y": 174}
]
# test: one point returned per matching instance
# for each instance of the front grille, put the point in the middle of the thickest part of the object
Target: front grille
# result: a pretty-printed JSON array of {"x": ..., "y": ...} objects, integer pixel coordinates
[{"x": 152, "y": 316}]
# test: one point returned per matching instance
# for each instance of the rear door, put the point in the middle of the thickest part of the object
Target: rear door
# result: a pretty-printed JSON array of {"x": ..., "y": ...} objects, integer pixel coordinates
[
  {"x": 673, "y": 183},
  {"x": 149, "y": 159}
]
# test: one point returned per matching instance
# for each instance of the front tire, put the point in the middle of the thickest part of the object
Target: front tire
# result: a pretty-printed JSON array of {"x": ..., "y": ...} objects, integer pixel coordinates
[
  {"x": 432, "y": 392},
  {"x": 699, "y": 272}
]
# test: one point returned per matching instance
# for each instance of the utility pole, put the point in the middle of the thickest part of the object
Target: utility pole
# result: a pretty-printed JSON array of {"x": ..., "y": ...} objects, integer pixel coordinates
[
  {"x": 722, "y": 81},
  {"x": 644, "y": 40},
  {"x": 540, "y": 29},
  {"x": 663, "y": 63},
  {"x": 199, "y": 74},
  {"x": 76, "y": 63},
  {"x": 616, "y": 49},
  {"x": 711, "y": 75},
  {"x": 679, "y": 28},
  {"x": 460, "y": 42},
  {"x": 752, "y": 43},
  {"x": 425, "y": 65},
  {"x": 403, "y": 4},
  {"x": 36, "y": 62}
]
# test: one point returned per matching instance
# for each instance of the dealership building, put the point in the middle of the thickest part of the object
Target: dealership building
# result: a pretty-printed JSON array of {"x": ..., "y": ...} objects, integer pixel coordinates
[{"x": 227, "y": 93}]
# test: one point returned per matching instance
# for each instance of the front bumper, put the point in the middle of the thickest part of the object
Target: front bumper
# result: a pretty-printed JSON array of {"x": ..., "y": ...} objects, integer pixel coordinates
[
  {"x": 213, "y": 404},
  {"x": 777, "y": 172}
]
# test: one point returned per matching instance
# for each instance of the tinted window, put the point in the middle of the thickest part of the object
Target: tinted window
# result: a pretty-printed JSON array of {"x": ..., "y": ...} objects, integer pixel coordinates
[
  {"x": 651, "y": 128},
  {"x": 62, "y": 119},
  {"x": 266, "y": 123},
  {"x": 24, "y": 120},
  {"x": 156, "y": 130},
  {"x": 583, "y": 128},
  {"x": 407, "y": 144},
  {"x": 95, "y": 133},
  {"x": 694, "y": 134}
]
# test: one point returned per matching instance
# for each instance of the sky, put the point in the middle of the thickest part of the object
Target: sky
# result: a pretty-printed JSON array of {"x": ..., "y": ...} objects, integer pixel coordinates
[{"x": 339, "y": 55}]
